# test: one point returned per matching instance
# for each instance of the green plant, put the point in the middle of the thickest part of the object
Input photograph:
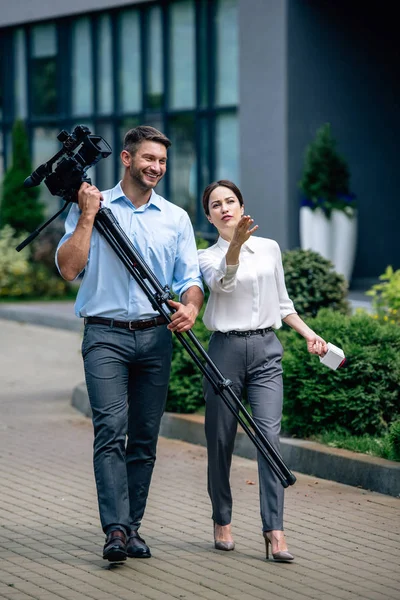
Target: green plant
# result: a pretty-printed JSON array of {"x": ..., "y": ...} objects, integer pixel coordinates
[
  {"x": 19, "y": 278},
  {"x": 185, "y": 393},
  {"x": 386, "y": 296},
  {"x": 361, "y": 398},
  {"x": 366, "y": 444},
  {"x": 394, "y": 439},
  {"x": 20, "y": 207},
  {"x": 312, "y": 283},
  {"x": 326, "y": 177}
]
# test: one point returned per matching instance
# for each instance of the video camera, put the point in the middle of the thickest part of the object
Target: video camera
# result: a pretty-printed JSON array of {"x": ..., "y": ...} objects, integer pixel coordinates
[{"x": 81, "y": 150}]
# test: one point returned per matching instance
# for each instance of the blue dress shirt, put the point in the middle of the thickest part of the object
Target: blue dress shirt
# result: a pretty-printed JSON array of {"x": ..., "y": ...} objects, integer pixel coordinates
[{"x": 163, "y": 235}]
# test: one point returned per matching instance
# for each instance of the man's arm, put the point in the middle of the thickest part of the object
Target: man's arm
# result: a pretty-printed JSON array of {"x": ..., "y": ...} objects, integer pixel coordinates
[
  {"x": 73, "y": 254},
  {"x": 187, "y": 310}
]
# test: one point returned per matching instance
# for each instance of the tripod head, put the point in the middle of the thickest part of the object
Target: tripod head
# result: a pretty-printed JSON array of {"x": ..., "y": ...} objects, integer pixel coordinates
[{"x": 81, "y": 150}]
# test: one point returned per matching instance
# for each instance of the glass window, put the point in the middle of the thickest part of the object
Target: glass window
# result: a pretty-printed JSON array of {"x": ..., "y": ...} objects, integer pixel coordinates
[
  {"x": 130, "y": 80},
  {"x": 82, "y": 91},
  {"x": 155, "y": 59},
  {"x": 1, "y": 156},
  {"x": 105, "y": 168},
  {"x": 44, "y": 70},
  {"x": 227, "y": 53},
  {"x": 227, "y": 145},
  {"x": 182, "y": 163},
  {"x": 20, "y": 86},
  {"x": 1, "y": 81},
  {"x": 182, "y": 54},
  {"x": 45, "y": 145},
  {"x": 105, "y": 97}
]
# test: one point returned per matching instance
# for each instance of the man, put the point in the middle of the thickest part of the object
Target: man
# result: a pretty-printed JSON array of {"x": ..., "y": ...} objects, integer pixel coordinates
[{"x": 127, "y": 346}]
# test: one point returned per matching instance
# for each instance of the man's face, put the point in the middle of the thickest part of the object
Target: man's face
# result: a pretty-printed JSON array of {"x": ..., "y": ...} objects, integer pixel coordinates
[{"x": 147, "y": 167}]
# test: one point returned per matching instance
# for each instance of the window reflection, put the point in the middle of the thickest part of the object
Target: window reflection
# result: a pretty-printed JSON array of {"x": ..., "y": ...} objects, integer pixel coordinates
[
  {"x": 227, "y": 53},
  {"x": 20, "y": 92},
  {"x": 182, "y": 163},
  {"x": 44, "y": 146},
  {"x": 155, "y": 57},
  {"x": 182, "y": 54},
  {"x": 227, "y": 148},
  {"x": 130, "y": 80},
  {"x": 105, "y": 169},
  {"x": 105, "y": 69},
  {"x": 82, "y": 91},
  {"x": 44, "y": 70}
]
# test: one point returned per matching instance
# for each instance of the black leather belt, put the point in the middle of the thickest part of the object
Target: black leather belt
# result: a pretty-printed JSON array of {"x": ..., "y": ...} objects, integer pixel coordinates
[
  {"x": 248, "y": 333},
  {"x": 132, "y": 325}
]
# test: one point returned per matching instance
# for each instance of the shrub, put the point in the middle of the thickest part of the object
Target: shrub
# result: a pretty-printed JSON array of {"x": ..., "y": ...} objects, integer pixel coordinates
[
  {"x": 362, "y": 397},
  {"x": 394, "y": 439},
  {"x": 386, "y": 296},
  {"x": 326, "y": 177},
  {"x": 19, "y": 278},
  {"x": 185, "y": 393},
  {"x": 20, "y": 207},
  {"x": 312, "y": 283}
]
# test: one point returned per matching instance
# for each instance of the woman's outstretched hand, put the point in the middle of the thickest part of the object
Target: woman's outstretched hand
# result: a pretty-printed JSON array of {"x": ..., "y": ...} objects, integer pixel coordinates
[{"x": 243, "y": 230}]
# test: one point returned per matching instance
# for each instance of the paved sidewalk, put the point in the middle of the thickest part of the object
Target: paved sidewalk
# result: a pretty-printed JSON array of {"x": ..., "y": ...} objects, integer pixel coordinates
[{"x": 346, "y": 540}]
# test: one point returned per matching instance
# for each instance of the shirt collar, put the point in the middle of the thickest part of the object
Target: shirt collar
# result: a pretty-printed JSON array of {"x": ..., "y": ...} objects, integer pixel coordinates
[
  {"x": 117, "y": 193},
  {"x": 224, "y": 245}
]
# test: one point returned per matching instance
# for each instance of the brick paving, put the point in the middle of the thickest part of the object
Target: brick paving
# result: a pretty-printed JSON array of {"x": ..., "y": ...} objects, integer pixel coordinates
[{"x": 346, "y": 541}]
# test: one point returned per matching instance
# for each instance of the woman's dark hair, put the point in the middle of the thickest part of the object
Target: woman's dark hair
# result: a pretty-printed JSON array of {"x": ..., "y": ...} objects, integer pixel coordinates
[
  {"x": 134, "y": 137},
  {"x": 211, "y": 187}
]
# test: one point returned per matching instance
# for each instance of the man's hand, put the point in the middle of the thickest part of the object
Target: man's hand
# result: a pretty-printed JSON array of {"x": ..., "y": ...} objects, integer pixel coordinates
[
  {"x": 89, "y": 198},
  {"x": 184, "y": 317}
]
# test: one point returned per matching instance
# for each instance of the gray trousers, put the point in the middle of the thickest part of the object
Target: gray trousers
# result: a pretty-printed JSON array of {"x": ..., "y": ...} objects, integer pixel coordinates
[
  {"x": 127, "y": 375},
  {"x": 253, "y": 364}
]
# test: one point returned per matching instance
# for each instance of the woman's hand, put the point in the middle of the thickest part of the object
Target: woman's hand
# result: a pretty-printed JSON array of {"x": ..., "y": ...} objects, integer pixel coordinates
[
  {"x": 316, "y": 345},
  {"x": 240, "y": 236},
  {"x": 242, "y": 230}
]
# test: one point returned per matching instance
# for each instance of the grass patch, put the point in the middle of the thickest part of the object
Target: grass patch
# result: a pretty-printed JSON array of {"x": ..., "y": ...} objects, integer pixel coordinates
[{"x": 364, "y": 444}]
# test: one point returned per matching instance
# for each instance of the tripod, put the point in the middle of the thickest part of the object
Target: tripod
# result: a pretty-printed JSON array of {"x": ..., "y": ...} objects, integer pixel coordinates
[{"x": 108, "y": 226}]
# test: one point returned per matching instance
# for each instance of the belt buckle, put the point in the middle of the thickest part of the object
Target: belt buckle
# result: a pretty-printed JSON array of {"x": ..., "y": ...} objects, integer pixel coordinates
[{"x": 130, "y": 325}]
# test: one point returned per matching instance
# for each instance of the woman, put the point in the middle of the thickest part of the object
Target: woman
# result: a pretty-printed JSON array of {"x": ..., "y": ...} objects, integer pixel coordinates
[{"x": 248, "y": 299}]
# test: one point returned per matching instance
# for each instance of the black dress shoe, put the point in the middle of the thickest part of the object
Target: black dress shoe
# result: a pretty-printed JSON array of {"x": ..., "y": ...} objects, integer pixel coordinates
[
  {"x": 137, "y": 547},
  {"x": 115, "y": 547}
]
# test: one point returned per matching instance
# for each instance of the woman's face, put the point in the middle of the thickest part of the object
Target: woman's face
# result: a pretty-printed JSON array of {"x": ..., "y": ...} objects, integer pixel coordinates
[{"x": 225, "y": 210}]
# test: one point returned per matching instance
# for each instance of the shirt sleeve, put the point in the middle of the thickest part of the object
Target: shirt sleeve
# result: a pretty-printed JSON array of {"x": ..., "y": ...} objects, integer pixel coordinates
[
  {"x": 286, "y": 306},
  {"x": 219, "y": 276},
  {"x": 186, "y": 267},
  {"x": 70, "y": 225}
]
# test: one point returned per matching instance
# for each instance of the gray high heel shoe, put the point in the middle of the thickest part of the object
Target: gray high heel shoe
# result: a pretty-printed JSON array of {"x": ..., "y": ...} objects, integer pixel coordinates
[
  {"x": 281, "y": 556},
  {"x": 221, "y": 545}
]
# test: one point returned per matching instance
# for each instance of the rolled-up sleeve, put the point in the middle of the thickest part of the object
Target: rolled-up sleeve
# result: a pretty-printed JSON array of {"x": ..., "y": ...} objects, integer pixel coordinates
[
  {"x": 186, "y": 267},
  {"x": 286, "y": 305},
  {"x": 70, "y": 224},
  {"x": 219, "y": 276}
]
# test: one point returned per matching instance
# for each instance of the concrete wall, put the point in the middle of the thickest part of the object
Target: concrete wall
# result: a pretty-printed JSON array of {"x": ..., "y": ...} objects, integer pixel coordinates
[
  {"x": 13, "y": 12},
  {"x": 343, "y": 67},
  {"x": 263, "y": 115}
]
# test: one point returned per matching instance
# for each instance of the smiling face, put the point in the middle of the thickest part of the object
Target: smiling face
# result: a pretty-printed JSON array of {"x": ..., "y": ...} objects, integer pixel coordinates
[
  {"x": 225, "y": 211},
  {"x": 148, "y": 165}
]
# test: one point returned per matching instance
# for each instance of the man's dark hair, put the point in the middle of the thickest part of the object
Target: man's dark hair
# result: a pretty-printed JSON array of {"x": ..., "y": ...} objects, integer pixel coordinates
[
  {"x": 134, "y": 137},
  {"x": 212, "y": 186}
]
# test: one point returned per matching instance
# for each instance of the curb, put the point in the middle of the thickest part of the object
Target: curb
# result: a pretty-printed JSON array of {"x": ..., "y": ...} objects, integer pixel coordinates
[
  {"x": 343, "y": 466},
  {"x": 35, "y": 315}
]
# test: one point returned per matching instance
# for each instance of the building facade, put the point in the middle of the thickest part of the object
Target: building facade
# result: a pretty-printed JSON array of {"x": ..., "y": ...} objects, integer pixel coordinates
[{"x": 240, "y": 87}]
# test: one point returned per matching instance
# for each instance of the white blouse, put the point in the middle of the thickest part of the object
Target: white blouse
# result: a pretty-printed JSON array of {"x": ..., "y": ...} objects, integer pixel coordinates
[{"x": 250, "y": 295}]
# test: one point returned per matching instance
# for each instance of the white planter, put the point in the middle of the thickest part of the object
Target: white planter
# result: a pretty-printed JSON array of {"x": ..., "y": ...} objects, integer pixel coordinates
[
  {"x": 315, "y": 231},
  {"x": 344, "y": 241}
]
